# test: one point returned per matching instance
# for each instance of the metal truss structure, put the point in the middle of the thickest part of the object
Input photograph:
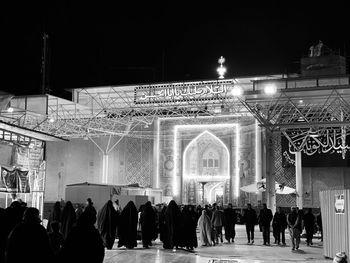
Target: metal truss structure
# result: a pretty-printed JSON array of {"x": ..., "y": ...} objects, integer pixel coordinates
[
  {"x": 312, "y": 113},
  {"x": 114, "y": 111},
  {"x": 300, "y": 106}
]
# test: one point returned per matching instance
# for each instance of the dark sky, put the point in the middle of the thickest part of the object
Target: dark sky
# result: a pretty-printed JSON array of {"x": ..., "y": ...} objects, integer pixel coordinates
[{"x": 119, "y": 44}]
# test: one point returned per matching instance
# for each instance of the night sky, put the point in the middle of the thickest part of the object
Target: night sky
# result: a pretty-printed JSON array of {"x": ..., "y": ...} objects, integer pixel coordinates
[{"x": 128, "y": 44}]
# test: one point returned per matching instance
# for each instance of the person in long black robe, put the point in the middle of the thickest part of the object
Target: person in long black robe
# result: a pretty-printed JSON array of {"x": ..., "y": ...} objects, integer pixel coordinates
[
  {"x": 68, "y": 219},
  {"x": 3, "y": 235},
  {"x": 11, "y": 217},
  {"x": 55, "y": 215},
  {"x": 190, "y": 225},
  {"x": 107, "y": 220},
  {"x": 90, "y": 207},
  {"x": 127, "y": 230},
  {"x": 173, "y": 222},
  {"x": 161, "y": 222},
  {"x": 230, "y": 221},
  {"x": 83, "y": 243},
  {"x": 148, "y": 225},
  {"x": 28, "y": 241}
]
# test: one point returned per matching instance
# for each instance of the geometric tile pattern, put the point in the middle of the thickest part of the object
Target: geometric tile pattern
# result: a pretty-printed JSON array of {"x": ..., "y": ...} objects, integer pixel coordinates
[
  {"x": 284, "y": 175},
  {"x": 139, "y": 153}
]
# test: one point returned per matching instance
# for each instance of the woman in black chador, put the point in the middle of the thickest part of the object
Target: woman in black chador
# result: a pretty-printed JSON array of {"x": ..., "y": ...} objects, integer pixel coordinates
[
  {"x": 28, "y": 241},
  {"x": 148, "y": 225},
  {"x": 55, "y": 215},
  {"x": 68, "y": 219},
  {"x": 127, "y": 229},
  {"x": 107, "y": 221},
  {"x": 84, "y": 243},
  {"x": 173, "y": 220},
  {"x": 190, "y": 225},
  {"x": 162, "y": 232}
]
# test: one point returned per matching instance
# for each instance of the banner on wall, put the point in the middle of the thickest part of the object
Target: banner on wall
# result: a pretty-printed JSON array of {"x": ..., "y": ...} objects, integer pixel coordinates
[
  {"x": 21, "y": 157},
  {"x": 14, "y": 181},
  {"x": 29, "y": 158},
  {"x": 6, "y": 155},
  {"x": 339, "y": 204},
  {"x": 23, "y": 181},
  {"x": 8, "y": 182},
  {"x": 35, "y": 157}
]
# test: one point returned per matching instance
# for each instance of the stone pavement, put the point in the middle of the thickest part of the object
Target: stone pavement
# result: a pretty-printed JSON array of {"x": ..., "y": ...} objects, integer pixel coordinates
[{"x": 239, "y": 251}]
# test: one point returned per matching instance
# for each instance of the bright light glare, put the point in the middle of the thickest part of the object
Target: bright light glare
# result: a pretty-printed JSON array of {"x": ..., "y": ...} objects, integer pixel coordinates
[
  {"x": 51, "y": 120},
  {"x": 237, "y": 158},
  {"x": 237, "y": 91},
  {"x": 270, "y": 89},
  {"x": 10, "y": 109},
  {"x": 175, "y": 186},
  {"x": 221, "y": 71},
  {"x": 158, "y": 141},
  {"x": 219, "y": 191}
]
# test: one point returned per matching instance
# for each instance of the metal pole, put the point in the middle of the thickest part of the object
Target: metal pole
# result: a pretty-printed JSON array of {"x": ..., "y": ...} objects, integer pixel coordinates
[
  {"x": 299, "y": 180},
  {"x": 258, "y": 159},
  {"x": 44, "y": 64},
  {"x": 270, "y": 173}
]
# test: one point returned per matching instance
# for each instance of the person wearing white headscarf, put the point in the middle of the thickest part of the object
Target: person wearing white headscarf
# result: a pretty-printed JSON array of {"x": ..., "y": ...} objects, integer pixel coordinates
[{"x": 205, "y": 229}]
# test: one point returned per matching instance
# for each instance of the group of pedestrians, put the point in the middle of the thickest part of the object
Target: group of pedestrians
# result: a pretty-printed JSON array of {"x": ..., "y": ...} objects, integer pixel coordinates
[
  {"x": 68, "y": 237},
  {"x": 213, "y": 220},
  {"x": 295, "y": 221},
  {"x": 82, "y": 234}
]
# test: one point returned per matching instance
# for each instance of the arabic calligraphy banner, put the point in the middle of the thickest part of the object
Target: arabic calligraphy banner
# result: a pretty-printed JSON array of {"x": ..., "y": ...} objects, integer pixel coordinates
[
  {"x": 323, "y": 151},
  {"x": 181, "y": 92}
]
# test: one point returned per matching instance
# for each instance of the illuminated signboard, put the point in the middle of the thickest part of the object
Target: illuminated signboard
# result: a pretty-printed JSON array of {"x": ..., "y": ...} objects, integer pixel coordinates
[{"x": 178, "y": 93}]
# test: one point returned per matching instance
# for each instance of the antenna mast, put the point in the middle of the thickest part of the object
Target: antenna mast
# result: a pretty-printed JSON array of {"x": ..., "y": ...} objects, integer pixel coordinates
[{"x": 45, "y": 65}]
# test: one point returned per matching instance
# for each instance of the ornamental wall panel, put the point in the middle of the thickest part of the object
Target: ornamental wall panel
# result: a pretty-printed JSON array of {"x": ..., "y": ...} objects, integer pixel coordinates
[
  {"x": 283, "y": 175},
  {"x": 139, "y": 161}
]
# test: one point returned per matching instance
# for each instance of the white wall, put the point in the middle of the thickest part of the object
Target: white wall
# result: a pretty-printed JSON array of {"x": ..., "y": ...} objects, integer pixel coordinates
[
  {"x": 75, "y": 161},
  {"x": 80, "y": 161}
]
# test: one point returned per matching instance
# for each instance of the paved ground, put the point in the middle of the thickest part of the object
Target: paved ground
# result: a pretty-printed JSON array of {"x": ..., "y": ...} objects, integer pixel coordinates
[{"x": 240, "y": 251}]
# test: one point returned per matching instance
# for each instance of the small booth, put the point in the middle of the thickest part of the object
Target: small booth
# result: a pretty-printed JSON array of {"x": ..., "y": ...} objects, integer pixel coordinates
[
  {"x": 335, "y": 210},
  {"x": 101, "y": 193},
  {"x": 22, "y": 165}
]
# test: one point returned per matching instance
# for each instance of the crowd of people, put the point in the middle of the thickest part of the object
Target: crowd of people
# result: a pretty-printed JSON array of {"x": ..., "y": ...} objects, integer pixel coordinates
[
  {"x": 296, "y": 221},
  {"x": 82, "y": 234}
]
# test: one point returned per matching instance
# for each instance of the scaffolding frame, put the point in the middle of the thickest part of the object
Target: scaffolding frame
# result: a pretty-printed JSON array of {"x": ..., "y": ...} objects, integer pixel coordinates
[{"x": 301, "y": 105}]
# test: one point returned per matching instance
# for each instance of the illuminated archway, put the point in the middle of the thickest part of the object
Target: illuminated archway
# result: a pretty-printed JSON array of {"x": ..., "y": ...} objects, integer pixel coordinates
[{"x": 206, "y": 159}]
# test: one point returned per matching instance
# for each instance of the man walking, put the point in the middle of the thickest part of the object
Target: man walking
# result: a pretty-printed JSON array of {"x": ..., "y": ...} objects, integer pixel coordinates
[
  {"x": 309, "y": 223},
  {"x": 230, "y": 223},
  {"x": 249, "y": 217},
  {"x": 265, "y": 218},
  {"x": 280, "y": 223},
  {"x": 217, "y": 222},
  {"x": 295, "y": 227}
]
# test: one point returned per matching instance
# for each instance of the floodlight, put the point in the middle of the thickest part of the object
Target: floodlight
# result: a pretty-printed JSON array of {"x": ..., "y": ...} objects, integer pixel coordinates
[
  {"x": 237, "y": 91},
  {"x": 270, "y": 89}
]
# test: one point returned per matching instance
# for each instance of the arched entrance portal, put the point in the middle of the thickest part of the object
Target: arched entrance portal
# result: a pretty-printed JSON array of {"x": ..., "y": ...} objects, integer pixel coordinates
[{"x": 206, "y": 170}]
